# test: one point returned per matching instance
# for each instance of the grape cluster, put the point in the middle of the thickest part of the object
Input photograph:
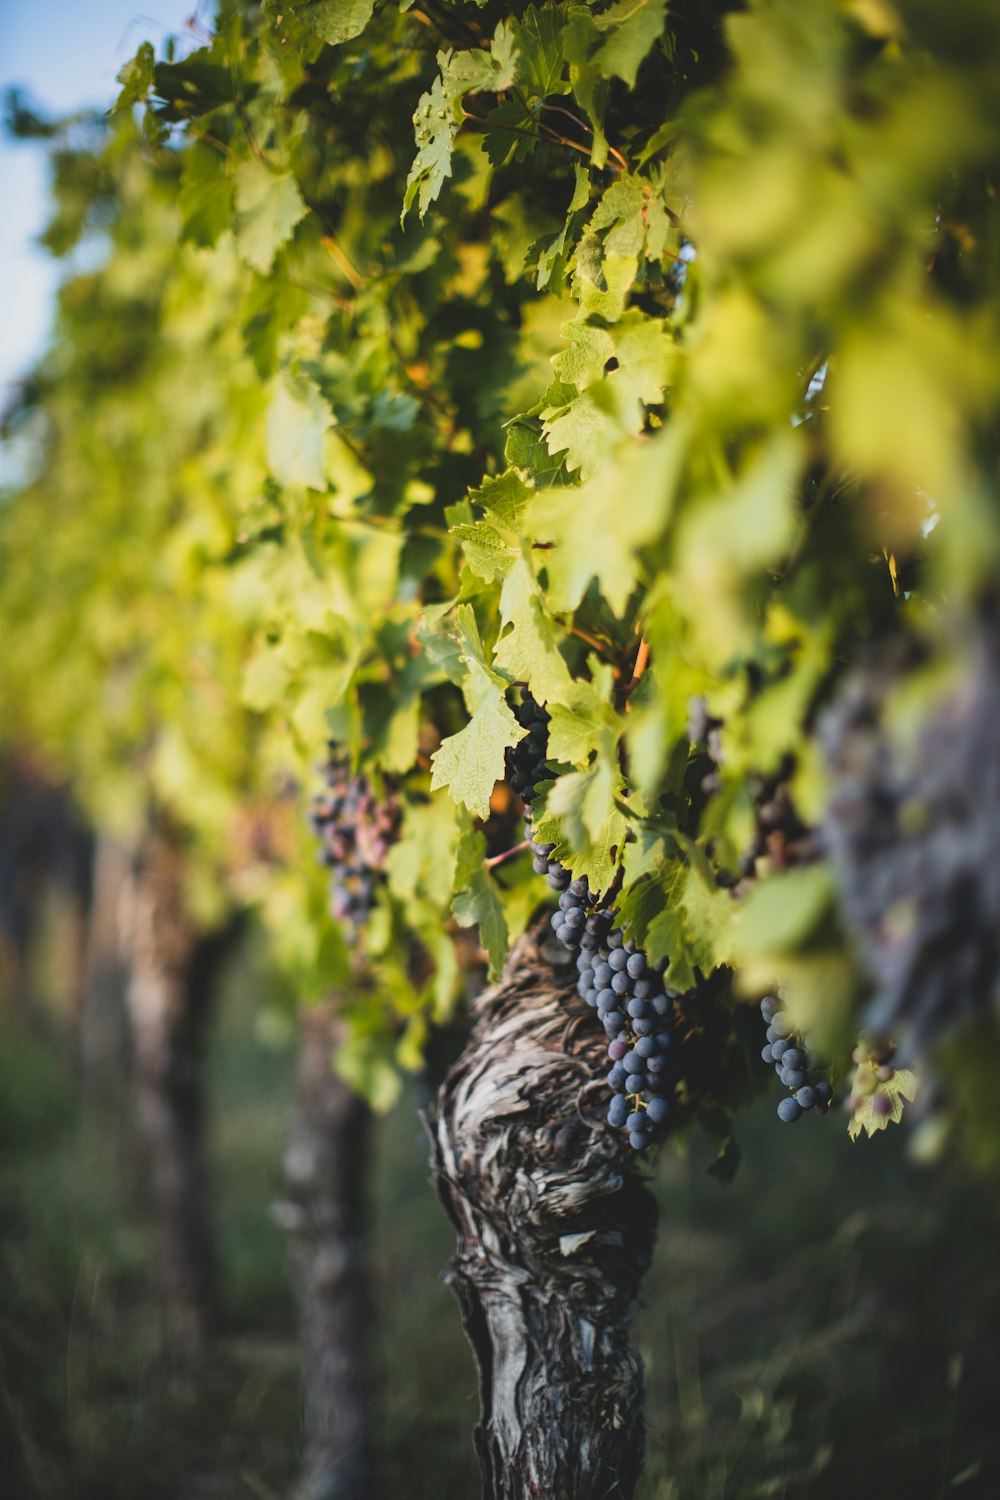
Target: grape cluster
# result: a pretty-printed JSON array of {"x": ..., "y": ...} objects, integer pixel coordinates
[
  {"x": 615, "y": 977},
  {"x": 794, "y": 1065},
  {"x": 356, "y": 831},
  {"x": 912, "y": 830}
]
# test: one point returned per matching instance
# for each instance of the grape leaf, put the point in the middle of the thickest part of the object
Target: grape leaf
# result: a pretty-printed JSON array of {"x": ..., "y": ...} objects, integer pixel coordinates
[
  {"x": 597, "y": 528},
  {"x": 602, "y": 280},
  {"x": 549, "y": 257},
  {"x": 476, "y": 901},
  {"x": 585, "y": 803},
  {"x": 471, "y": 762},
  {"x": 642, "y": 350},
  {"x": 630, "y": 28},
  {"x": 540, "y": 67},
  {"x": 489, "y": 551},
  {"x": 614, "y": 43},
  {"x": 297, "y": 420},
  {"x": 584, "y": 428},
  {"x": 528, "y": 651},
  {"x": 334, "y": 21},
  {"x": 439, "y": 113},
  {"x": 504, "y": 498},
  {"x": 136, "y": 77},
  {"x": 205, "y": 197},
  {"x": 900, "y": 1087},
  {"x": 268, "y": 207},
  {"x": 579, "y": 719},
  {"x": 493, "y": 546},
  {"x": 421, "y": 865},
  {"x": 781, "y": 911}
]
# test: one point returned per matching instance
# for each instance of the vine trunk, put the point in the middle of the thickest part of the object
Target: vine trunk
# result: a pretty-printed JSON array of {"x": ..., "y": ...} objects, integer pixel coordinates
[{"x": 554, "y": 1233}]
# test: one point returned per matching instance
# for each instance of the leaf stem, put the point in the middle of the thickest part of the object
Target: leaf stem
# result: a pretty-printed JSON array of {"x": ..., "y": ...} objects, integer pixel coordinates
[
  {"x": 612, "y": 150},
  {"x": 343, "y": 260},
  {"x": 641, "y": 663},
  {"x": 533, "y": 135},
  {"x": 601, "y": 646}
]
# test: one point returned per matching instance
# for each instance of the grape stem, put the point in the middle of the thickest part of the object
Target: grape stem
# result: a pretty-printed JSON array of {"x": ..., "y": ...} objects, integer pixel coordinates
[{"x": 498, "y": 859}]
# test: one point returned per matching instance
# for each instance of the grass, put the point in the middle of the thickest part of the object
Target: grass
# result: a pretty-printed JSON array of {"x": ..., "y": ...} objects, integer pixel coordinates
[{"x": 827, "y": 1326}]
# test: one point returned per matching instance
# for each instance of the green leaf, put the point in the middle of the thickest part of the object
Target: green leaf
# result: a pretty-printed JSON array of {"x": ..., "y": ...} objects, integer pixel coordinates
[
  {"x": 780, "y": 912},
  {"x": 439, "y": 113},
  {"x": 206, "y": 193},
  {"x": 621, "y": 214},
  {"x": 297, "y": 421},
  {"x": 901, "y": 1086},
  {"x": 471, "y": 762},
  {"x": 580, "y": 719},
  {"x": 504, "y": 499},
  {"x": 630, "y": 28},
  {"x": 334, "y": 21},
  {"x": 540, "y": 68},
  {"x": 136, "y": 78},
  {"x": 642, "y": 350},
  {"x": 489, "y": 552},
  {"x": 605, "y": 46},
  {"x": 549, "y": 257},
  {"x": 528, "y": 652},
  {"x": 527, "y": 450},
  {"x": 266, "y": 680},
  {"x": 519, "y": 223},
  {"x": 602, "y": 281},
  {"x": 584, "y": 429},
  {"x": 583, "y": 820},
  {"x": 268, "y": 207},
  {"x": 477, "y": 901},
  {"x": 597, "y": 529},
  {"x": 421, "y": 865}
]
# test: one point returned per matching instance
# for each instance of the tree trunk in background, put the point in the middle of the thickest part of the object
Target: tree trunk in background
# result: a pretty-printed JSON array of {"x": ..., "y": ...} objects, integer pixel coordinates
[
  {"x": 45, "y": 891},
  {"x": 102, "y": 1042},
  {"x": 172, "y": 973},
  {"x": 327, "y": 1169},
  {"x": 554, "y": 1234}
]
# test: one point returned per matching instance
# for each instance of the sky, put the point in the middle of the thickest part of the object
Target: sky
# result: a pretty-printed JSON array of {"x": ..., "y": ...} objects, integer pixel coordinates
[{"x": 64, "y": 55}]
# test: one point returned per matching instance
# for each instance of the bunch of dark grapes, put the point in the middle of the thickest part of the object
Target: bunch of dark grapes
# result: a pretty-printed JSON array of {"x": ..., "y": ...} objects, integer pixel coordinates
[
  {"x": 780, "y": 838},
  {"x": 356, "y": 831},
  {"x": 615, "y": 979},
  {"x": 912, "y": 830},
  {"x": 794, "y": 1064}
]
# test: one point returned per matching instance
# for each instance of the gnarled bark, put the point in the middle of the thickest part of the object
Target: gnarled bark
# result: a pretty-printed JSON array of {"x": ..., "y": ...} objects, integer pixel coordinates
[
  {"x": 554, "y": 1234},
  {"x": 326, "y": 1171}
]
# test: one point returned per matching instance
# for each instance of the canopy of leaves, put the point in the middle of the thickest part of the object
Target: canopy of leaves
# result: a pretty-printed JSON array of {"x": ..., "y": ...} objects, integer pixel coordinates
[{"x": 627, "y": 355}]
